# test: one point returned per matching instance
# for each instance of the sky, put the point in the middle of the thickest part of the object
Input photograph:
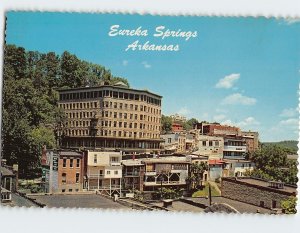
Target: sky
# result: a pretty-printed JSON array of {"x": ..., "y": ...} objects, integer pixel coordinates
[{"x": 240, "y": 71}]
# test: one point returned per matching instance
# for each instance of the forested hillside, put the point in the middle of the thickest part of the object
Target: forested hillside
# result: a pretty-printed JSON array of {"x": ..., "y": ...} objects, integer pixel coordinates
[
  {"x": 30, "y": 115},
  {"x": 291, "y": 145}
]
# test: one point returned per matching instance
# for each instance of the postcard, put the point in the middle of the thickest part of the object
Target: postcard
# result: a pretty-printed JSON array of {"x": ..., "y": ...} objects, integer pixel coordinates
[{"x": 148, "y": 112}]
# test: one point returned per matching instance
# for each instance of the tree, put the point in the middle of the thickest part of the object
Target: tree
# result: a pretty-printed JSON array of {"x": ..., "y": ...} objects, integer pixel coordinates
[
  {"x": 196, "y": 174},
  {"x": 271, "y": 163},
  {"x": 289, "y": 205},
  {"x": 30, "y": 116},
  {"x": 189, "y": 124},
  {"x": 166, "y": 124}
]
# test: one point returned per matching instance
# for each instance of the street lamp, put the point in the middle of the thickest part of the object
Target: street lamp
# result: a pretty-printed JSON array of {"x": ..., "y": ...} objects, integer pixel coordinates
[{"x": 161, "y": 179}]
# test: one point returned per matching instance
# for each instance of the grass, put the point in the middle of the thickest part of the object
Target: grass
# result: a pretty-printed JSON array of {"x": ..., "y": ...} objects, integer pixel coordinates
[{"x": 204, "y": 192}]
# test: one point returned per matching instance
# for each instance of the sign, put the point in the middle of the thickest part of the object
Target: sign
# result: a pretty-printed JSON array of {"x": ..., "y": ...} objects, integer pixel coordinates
[{"x": 55, "y": 163}]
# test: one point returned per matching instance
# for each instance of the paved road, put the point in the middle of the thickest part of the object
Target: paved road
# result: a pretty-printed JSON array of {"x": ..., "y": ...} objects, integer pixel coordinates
[{"x": 79, "y": 201}]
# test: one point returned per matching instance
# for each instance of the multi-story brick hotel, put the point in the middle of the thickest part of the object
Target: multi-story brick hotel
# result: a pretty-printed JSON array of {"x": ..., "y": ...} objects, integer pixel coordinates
[{"x": 111, "y": 117}]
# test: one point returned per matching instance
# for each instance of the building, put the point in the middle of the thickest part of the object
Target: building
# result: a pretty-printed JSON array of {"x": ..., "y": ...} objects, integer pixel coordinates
[
  {"x": 70, "y": 171},
  {"x": 169, "y": 172},
  {"x": 111, "y": 116},
  {"x": 210, "y": 146},
  {"x": 133, "y": 175},
  {"x": 177, "y": 127},
  {"x": 173, "y": 143},
  {"x": 63, "y": 171},
  {"x": 104, "y": 172},
  {"x": 235, "y": 147},
  {"x": 215, "y": 169},
  {"x": 217, "y": 129},
  {"x": 178, "y": 118},
  {"x": 8, "y": 182},
  {"x": 267, "y": 194},
  {"x": 237, "y": 168},
  {"x": 251, "y": 139}
]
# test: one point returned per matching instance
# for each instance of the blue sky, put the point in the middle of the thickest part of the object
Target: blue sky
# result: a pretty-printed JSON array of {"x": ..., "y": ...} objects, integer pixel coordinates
[{"x": 237, "y": 71}]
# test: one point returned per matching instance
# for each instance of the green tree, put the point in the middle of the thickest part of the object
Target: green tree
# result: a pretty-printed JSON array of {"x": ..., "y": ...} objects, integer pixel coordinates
[
  {"x": 271, "y": 163},
  {"x": 189, "y": 124},
  {"x": 196, "y": 174},
  {"x": 166, "y": 123},
  {"x": 289, "y": 205}
]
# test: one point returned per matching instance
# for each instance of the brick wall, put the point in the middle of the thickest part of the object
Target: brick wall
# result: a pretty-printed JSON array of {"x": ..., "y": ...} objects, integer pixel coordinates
[{"x": 236, "y": 190}]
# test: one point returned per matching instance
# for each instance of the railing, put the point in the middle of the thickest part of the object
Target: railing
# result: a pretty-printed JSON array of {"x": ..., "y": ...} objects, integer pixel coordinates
[
  {"x": 5, "y": 195},
  {"x": 107, "y": 187},
  {"x": 131, "y": 174},
  {"x": 149, "y": 173},
  {"x": 95, "y": 175},
  {"x": 235, "y": 148},
  {"x": 115, "y": 164}
]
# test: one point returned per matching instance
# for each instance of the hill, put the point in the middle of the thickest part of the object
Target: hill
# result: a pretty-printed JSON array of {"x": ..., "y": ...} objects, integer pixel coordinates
[{"x": 292, "y": 145}]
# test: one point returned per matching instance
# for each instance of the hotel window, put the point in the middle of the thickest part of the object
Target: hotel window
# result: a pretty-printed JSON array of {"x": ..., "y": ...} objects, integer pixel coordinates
[
  {"x": 210, "y": 143},
  {"x": 64, "y": 162},
  {"x": 115, "y": 124},
  {"x": 135, "y": 116},
  {"x": 115, "y": 114},
  {"x": 135, "y": 107},
  {"x": 203, "y": 143},
  {"x": 77, "y": 162},
  {"x": 125, "y": 115},
  {"x": 116, "y": 172},
  {"x": 77, "y": 177},
  {"x": 121, "y": 106},
  {"x": 108, "y": 172},
  {"x": 131, "y": 106},
  {"x": 63, "y": 178},
  {"x": 131, "y": 116},
  {"x": 71, "y": 162},
  {"x": 95, "y": 158},
  {"x": 120, "y": 124},
  {"x": 125, "y": 124}
]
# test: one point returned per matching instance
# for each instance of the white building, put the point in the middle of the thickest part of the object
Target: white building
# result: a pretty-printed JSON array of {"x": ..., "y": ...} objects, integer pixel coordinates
[
  {"x": 104, "y": 172},
  {"x": 210, "y": 146}
]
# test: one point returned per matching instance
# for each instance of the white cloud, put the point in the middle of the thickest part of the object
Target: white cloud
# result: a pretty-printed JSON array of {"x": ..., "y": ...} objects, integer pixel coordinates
[
  {"x": 219, "y": 117},
  {"x": 125, "y": 62},
  {"x": 238, "y": 98},
  {"x": 249, "y": 121},
  {"x": 184, "y": 111},
  {"x": 246, "y": 123},
  {"x": 291, "y": 122},
  {"x": 146, "y": 65},
  {"x": 289, "y": 112},
  {"x": 228, "y": 81}
]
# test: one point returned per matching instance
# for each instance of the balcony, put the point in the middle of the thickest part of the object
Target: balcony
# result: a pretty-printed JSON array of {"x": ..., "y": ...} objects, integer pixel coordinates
[
  {"x": 131, "y": 174},
  {"x": 115, "y": 163},
  {"x": 107, "y": 187},
  {"x": 235, "y": 148},
  {"x": 150, "y": 173}
]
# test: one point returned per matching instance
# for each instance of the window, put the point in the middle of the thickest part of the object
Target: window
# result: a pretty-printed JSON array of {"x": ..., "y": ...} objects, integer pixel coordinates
[
  {"x": 63, "y": 190},
  {"x": 274, "y": 204},
  {"x": 108, "y": 172},
  {"x": 216, "y": 143},
  {"x": 95, "y": 158},
  {"x": 64, "y": 178},
  {"x": 64, "y": 162},
  {"x": 169, "y": 140},
  {"x": 71, "y": 162},
  {"x": 77, "y": 162},
  {"x": 262, "y": 204},
  {"x": 203, "y": 143},
  {"x": 77, "y": 177},
  {"x": 210, "y": 143},
  {"x": 116, "y": 172},
  {"x": 70, "y": 190}
]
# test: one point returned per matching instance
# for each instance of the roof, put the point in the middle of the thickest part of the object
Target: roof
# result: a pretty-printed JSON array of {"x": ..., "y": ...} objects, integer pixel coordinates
[
  {"x": 107, "y": 86},
  {"x": 70, "y": 153},
  {"x": 6, "y": 172},
  {"x": 132, "y": 162},
  {"x": 216, "y": 162},
  {"x": 262, "y": 183},
  {"x": 167, "y": 160}
]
